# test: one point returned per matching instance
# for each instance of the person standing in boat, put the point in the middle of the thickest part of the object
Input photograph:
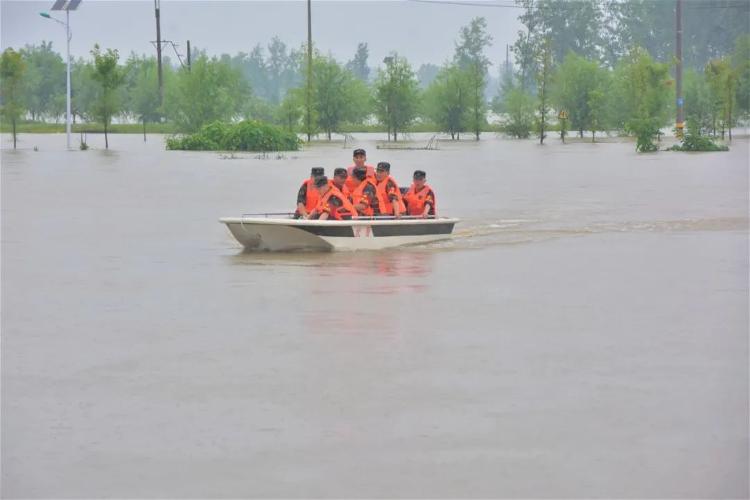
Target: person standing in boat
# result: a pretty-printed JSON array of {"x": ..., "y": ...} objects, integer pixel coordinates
[
  {"x": 333, "y": 204},
  {"x": 307, "y": 196},
  {"x": 339, "y": 180},
  {"x": 364, "y": 197},
  {"x": 420, "y": 199},
  {"x": 360, "y": 158},
  {"x": 390, "y": 201}
]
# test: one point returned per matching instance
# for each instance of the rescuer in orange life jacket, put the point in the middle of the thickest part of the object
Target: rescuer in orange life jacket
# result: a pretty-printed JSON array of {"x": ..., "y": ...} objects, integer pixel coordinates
[
  {"x": 390, "y": 201},
  {"x": 340, "y": 180},
  {"x": 359, "y": 157},
  {"x": 420, "y": 199},
  {"x": 307, "y": 196},
  {"x": 333, "y": 204},
  {"x": 364, "y": 197}
]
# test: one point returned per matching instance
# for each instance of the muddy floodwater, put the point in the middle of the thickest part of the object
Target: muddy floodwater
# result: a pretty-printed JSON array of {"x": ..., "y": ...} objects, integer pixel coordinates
[{"x": 585, "y": 334}]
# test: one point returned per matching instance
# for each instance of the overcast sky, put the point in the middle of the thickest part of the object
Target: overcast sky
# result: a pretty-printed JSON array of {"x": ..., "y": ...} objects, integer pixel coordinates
[{"x": 419, "y": 30}]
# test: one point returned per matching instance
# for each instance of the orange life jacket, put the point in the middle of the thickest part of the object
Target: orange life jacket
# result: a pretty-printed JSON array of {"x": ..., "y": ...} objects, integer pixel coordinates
[
  {"x": 384, "y": 201},
  {"x": 358, "y": 195},
  {"x": 313, "y": 196},
  {"x": 344, "y": 189},
  {"x": 350, "y": 180},
  {"x": 346, "y": 207},
  {"x": 415, "y": 200}
]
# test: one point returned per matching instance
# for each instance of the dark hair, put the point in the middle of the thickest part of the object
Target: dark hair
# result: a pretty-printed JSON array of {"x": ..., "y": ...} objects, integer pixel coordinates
[
  {"x": 321, "y": 181},
  {"x": 317, "y": 171},
  {"x": 419, "y": 174},
  {"x": 359, "y": 173},
  {"x": 340, "y": 172},
  {"x": 384, "y": 165},
  {"x": 358, "y": 152}
]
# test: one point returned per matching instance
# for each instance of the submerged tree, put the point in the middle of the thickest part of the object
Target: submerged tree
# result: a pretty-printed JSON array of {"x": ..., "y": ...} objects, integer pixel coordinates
[
  {"x": 722, "y": 81},
  {"x": 641, "y": 97},
  {"x": 445, "y": 101},
  {"x": 210, "y": 91},
  {"x": 396, "y": 95},
  {"x": 580, "y": 87},
  {"x": 109, "y": 77},
  {"x": 470, "y": 59},
  {"x": 12, "y": 69},
  {"x": 543, "y": 78},
  {"x": 338, "y": 96}
]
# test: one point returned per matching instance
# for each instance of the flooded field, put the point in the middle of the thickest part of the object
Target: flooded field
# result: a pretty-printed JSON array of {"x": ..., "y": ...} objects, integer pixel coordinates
[{"x": 585, "y": 334}]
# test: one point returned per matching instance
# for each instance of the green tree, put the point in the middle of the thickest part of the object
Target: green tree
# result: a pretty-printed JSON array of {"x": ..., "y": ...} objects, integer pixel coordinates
[
  {"x": 519, "y": 110},
  {"x": 109, "y": 77},
  {"x": 544, "y": 77},
  {"x": 741, "y": 67},
  {"x": 722, "y": 81},
  {"x": 641, "y": 97},
  {"x": 12, "y": 68},
  {"x": 698, "y": 101},
  {"x": 358, "y": 65},
  {"x": 143, "y": 93},
  {"x": 570, "y": 26},
  {"x": 44, "y": 79},
  {"x": 396, "y": 95},
  {"x": 210, "y": 91},
  {"x": 445, "y": 101},
  {"x": 291, "y": 109},
  {"x": 470, "y": 58},
  {"x": 338, "y": 96},
  {"x": 575, "y": 82},
  {"x": 426, "y": 74}
]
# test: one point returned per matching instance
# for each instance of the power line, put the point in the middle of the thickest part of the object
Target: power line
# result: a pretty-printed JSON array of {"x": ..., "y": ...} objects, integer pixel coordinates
[{"x": 469, "y": 4}]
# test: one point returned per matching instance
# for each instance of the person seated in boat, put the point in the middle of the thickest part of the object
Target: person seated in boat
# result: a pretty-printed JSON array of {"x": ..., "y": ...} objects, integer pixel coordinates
[
  {"x": 333, "y": 204},
  {"x": 364, "y": 197},
  {"x": 339, "y": 180},
  {"x": 390, "y": 201},
  {"x": 420, "y": 199},
  {"x": 307, "y": 196},
  {"x": 360, "y": 158}
]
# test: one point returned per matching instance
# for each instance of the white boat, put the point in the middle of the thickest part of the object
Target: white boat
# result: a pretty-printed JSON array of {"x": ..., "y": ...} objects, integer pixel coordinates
[{"x": 281, "y": 232}]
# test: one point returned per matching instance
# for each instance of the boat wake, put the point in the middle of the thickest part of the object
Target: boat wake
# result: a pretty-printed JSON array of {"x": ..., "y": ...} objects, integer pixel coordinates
[{"x": 475, "y": 234}]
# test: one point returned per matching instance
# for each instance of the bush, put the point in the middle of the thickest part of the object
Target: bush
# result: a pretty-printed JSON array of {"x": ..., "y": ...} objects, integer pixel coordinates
[
  {"x": 645, "y": 130},
  {"x": 248, "y": 135},
  {"x": 698, "y": 143},
  {"x": 694, "y": 141}
]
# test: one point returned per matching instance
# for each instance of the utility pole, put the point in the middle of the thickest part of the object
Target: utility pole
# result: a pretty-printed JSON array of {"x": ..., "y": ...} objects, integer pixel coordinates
[
  {"x": 308, "y": 119},
  {"x": 157, "y": 8},
  {"x": 188, "y": 55},
  {"x": 680, "y": 125}
]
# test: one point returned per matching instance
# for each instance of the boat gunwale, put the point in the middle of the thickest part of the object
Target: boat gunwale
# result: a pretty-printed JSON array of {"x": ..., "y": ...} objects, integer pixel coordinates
[{"x": 353, "y": 222}]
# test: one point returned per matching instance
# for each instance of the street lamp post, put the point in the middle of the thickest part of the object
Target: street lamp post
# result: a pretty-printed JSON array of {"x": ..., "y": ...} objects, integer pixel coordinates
[{"x": 68, "y": 36}]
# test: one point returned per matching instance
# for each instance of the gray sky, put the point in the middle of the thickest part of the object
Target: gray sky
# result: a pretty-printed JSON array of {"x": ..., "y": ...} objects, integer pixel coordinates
[{"x": 420, "y": 31}]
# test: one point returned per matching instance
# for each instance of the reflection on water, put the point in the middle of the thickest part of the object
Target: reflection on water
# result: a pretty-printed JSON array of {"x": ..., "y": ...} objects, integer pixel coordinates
[{"x": 403, "y": 262}]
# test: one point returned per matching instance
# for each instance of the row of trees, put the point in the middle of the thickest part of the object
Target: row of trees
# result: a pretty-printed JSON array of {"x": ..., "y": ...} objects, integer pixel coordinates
[
  {"x": 218, "y": 88},
  {"x": 606, "y": 31},
  {"x": 636, "y": 96}
]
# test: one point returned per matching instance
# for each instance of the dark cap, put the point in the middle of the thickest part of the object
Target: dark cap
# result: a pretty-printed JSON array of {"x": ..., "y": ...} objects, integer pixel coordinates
[
  {"x": 419, "y": 174},
  {"x": 385, "y": 166},
  {"x": 360, "y": 173},
  {"x": 340, "y": 172},
  {"x": 317, "y": 171},
  {"x": 358, "y": 152},
  {"x": 321, "y": 181}
]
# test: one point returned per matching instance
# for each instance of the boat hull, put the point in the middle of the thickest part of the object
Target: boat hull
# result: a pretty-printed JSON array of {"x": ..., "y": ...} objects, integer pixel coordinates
[{"x": 269, "y": 234}]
